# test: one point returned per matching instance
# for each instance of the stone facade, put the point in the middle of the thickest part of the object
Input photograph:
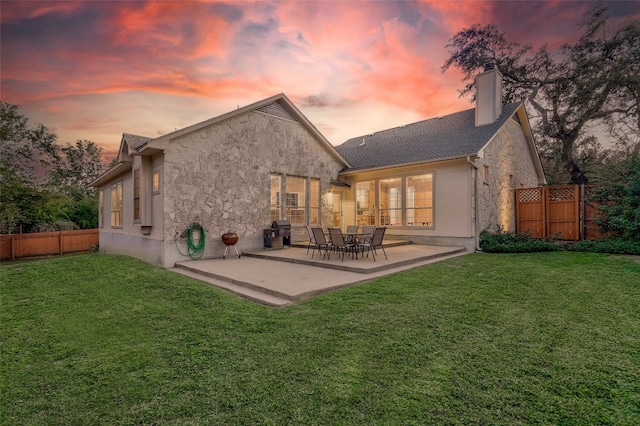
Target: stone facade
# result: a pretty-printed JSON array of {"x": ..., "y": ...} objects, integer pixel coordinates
[
  {"x": 219, "y": 175},
  {"x": 509, "y": 166}
]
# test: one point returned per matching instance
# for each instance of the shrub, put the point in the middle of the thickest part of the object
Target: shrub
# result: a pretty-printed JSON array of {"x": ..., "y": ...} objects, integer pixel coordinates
[
  {"x": 508, "y": 242},
  {"x": 608, "y": 245},
  {"x": 618, "y": 200}
]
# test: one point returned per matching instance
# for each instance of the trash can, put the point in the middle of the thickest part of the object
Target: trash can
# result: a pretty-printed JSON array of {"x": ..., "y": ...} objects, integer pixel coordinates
[{"x": 269, "y": 234}]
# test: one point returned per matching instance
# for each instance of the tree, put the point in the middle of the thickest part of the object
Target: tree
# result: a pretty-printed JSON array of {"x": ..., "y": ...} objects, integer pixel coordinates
[
  {"x": 565, "y": 91},
  {"x": 30, "y": 151},
  {"x": 29, "y": 209},
  {"x": 79, "y": 165},
  {"x": 41, "y": 183}
]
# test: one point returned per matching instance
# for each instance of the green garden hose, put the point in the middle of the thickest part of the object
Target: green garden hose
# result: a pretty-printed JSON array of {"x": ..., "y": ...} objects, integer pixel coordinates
[{"x": 194, "y": 249}]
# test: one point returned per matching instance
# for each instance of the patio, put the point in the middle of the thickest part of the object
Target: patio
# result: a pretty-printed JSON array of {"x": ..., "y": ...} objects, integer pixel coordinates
[{"x": 282, "y": 277}]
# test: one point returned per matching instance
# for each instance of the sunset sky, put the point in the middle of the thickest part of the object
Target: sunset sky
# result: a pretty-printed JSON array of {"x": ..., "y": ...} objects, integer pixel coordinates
[{"x": 95, "y": 69}]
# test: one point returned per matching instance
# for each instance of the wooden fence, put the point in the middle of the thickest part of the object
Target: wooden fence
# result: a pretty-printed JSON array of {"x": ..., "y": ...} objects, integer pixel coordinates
[
  {"x": 47, "y": 243},
  {"x": 556, "y": 210}
]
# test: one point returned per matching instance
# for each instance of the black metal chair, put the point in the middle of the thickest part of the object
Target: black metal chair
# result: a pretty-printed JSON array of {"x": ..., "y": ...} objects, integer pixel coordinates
[
  {"x": 352, "y": 229},
  {"x": 339, "y": 244},
  {"x": 312, "y": 239},
  {"x": 376, "y": 241},
  {"x": 320, "y": 243},
  {"x": 367, "y": 233}
]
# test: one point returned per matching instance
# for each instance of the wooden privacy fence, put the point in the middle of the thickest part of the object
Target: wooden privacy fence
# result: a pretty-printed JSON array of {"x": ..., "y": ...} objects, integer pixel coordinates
[
  {"x": 46, "y": 243},
  {"x": 556, "y": 210}
]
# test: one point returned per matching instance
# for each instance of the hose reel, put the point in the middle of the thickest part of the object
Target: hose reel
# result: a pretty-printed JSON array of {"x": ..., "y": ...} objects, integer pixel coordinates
[{"x": 195, "y": 248}]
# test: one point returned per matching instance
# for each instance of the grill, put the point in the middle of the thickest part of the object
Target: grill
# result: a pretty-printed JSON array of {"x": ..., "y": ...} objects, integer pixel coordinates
[{"x": 282, "y": 228}]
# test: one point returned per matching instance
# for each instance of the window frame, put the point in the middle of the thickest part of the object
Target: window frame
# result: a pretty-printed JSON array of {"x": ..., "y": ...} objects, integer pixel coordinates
[
  {"x": 101, "y": 208},
  {"x": 388, "y": 215},
  {"x": 137, "y": 210},
  {"x": 375, "y": 217},
  {"x": 366, "y": 215},
  {"x": 275, "y": 203},
  {"x": 155, "y": 182},
  {"x": 428, "y": 208},
  {"x": 295, "y": 208},
  {"x": 116, "y": 205},
  {"x": 314, "y": 201}
]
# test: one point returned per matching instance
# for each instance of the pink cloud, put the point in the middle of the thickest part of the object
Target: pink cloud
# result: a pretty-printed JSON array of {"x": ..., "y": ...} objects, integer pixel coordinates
[{"x": 96, "y": 69}]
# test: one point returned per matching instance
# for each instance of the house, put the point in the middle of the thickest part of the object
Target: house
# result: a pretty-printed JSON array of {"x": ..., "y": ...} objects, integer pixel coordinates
[{"x": 439, "y": 181}]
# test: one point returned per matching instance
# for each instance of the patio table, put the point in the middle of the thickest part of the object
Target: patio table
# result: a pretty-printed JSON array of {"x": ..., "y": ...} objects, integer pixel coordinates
[{"x": 355, "y": 238}]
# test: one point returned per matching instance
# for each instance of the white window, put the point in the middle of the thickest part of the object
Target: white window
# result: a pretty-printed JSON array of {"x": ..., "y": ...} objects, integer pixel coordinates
[
  {"x": 101, "y": 208},
  {"x": 136, "y": 195},
  {"x": 274, "y": 200},
  {"x": 314, "y": 202},
  {"x": 296, "y": 199},
  {"x": 156, "y": 182},
  {"x": 390, "y": 204},
  {"x": 399, "y": 201},
  {"x": 116, "y": 205},
  {"x": 365, "y": 203},
  {"x": 420, "y": 200}
]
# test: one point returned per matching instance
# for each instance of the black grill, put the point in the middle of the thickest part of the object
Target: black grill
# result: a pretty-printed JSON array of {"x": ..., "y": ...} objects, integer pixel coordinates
[{"x": 282, "y": 229}]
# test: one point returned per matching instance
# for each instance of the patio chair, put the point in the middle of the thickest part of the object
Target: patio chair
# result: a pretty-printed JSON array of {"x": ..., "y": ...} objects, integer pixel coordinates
[
  {"x": 320, "y": 243},
  {"x": 352, "y": 229},
  {"x": 375, "y": 242},
  {"x": 338, "y": 242},
  {"x": 367, "y": 233},
  {"x": 312, "y": 239}
]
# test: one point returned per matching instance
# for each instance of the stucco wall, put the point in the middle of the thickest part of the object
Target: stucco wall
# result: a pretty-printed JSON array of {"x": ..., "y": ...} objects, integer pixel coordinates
[
  {"x": 129, "y": 239},
  {"x": 219, "y": 176},
  {"x": 510, "y": 166},
  {"x": 452, "y": 203}
]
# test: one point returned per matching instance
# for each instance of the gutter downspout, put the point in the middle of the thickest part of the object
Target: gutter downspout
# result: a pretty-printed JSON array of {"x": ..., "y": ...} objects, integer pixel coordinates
[{"x": 474, "y": 202}]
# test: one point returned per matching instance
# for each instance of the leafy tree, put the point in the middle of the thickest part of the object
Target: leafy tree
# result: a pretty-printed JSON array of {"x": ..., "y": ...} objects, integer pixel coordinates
[
  {"x": 42, "y": 183},
  {"x": 30, "y": 151},
  {"x": 566, "y": 91},
  {"x": 29, "y": 209},
  {"x": 78, "y": 166}
]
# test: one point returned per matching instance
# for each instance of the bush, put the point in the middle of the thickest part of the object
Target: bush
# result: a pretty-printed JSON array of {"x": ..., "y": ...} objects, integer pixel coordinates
[
  {"x": 608, "y": 245},
  {"x": 618, "y": 200},
  {"x": 508, "y": 242}
]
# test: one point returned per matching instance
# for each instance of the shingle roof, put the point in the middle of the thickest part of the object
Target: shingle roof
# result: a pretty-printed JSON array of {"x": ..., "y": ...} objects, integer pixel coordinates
[
  {"x": 135, "y": 141},
  {"x": 452, "y": 136}
]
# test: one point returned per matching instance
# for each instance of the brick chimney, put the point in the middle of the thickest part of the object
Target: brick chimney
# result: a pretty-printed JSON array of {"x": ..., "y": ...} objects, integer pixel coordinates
[{"x": 488, "y": 95}]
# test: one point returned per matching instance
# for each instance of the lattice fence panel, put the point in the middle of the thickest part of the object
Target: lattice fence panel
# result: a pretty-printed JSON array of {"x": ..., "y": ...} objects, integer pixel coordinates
[
  {"x": 563, "y": 193},
  {"x": 529, "y": 195}
]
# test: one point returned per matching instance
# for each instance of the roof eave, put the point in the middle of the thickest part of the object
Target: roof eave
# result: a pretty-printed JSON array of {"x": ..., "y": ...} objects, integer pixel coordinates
[
  {"x": 117, "y": 170},
  {"x": 348, "y": 172}
]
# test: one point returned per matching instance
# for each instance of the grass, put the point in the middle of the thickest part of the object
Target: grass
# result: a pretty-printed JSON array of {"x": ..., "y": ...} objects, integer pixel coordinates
[{"x": 541, "y": 338}]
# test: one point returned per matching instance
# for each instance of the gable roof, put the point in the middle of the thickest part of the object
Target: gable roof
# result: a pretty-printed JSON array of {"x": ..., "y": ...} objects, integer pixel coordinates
[
  {"x": 436, "y": 139},
  {"x": 278, "y": 106},
  {"x": 135, "y": 142}
]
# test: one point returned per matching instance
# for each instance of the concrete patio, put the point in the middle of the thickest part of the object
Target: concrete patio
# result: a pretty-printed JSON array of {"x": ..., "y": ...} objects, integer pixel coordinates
[{"x": 282, "y": 277}]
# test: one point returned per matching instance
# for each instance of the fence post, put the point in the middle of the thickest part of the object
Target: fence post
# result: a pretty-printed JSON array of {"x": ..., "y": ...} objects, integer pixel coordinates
[
  {"x": 13, "y": 248},
  {"x": 545, "y": 211},
  {"x": 581, "y": 222},
  {"x": 60, "y": 242}
]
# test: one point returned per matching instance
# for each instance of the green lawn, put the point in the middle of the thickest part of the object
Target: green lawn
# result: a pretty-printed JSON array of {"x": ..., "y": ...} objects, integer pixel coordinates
[{"x": 546, "y": 338}]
